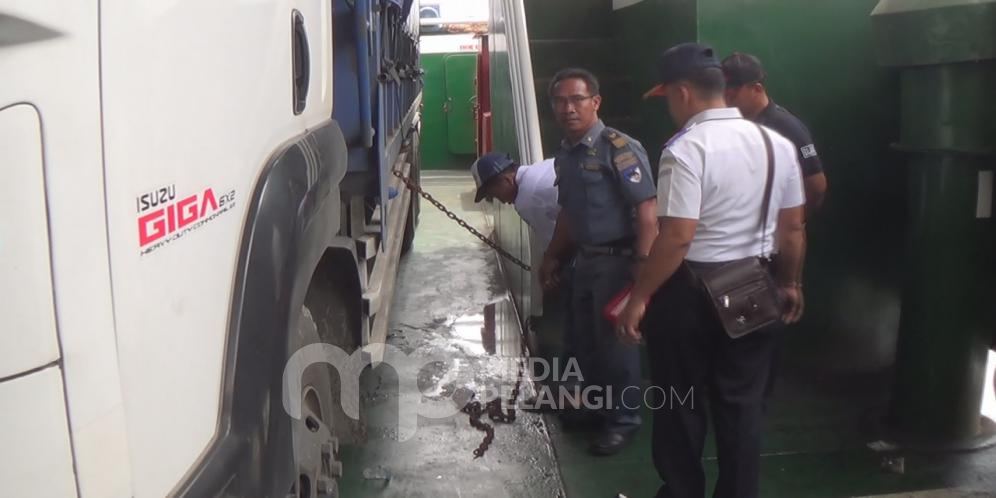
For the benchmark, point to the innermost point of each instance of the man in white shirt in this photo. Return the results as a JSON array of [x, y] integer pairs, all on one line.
[[530, 188], [711, 189]]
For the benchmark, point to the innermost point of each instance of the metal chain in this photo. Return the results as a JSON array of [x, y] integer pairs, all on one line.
[[425, 195], [494, 407], [494, 411]]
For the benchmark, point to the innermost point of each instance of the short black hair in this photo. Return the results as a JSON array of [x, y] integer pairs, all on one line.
[[574, 73], [709, 82], [742, 69]]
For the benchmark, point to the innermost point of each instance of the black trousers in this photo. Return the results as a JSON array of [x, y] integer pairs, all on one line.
[[606, 362], [697, 368]]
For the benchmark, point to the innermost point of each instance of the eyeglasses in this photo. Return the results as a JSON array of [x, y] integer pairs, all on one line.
[[575, 100]]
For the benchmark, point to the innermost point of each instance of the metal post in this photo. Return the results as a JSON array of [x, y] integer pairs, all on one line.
[[947, 58]]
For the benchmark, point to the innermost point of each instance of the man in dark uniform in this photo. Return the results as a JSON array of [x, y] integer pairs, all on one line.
[[608, 216], [745, 90]]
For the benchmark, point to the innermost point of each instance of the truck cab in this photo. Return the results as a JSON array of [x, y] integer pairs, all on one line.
[[187, 201]]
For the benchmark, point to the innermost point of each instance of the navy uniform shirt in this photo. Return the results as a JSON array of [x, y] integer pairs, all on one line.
[[785, 123], [599, 180]]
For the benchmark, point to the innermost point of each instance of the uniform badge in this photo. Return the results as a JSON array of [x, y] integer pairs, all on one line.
[[591, 166], [625, 160], [808, 151], [633, 174], [592, 152]]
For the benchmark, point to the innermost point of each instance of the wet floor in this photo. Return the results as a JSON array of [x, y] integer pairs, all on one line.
[[450, 312], [449, 294]]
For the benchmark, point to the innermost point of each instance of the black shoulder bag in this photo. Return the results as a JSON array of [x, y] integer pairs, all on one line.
[[743, 292]]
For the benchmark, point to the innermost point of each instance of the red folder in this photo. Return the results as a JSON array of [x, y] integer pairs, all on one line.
[[616, 305]]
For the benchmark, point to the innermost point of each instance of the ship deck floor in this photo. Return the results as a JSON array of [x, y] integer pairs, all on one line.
[[818, 428]]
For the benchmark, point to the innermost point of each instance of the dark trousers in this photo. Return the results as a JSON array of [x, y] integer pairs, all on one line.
[[605, 361], [559, 337], [696, 367]]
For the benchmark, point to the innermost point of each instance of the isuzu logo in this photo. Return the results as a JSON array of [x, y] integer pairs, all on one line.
[[163, 219]]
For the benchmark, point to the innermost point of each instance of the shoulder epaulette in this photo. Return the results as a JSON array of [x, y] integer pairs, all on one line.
[[676, 136], [618, 140]]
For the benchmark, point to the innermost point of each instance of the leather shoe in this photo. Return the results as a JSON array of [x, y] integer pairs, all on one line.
[[612, 440]]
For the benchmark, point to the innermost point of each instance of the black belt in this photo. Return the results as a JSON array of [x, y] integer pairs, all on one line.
[[708, 265], [622, 248]]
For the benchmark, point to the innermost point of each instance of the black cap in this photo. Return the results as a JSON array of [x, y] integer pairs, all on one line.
[[742, 69], [679, 61]]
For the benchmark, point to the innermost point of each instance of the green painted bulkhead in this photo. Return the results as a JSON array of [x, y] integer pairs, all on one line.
[[511, 233], [448, 120], [821, 64]]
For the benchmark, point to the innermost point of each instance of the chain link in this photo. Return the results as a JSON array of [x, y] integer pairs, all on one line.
[[473, 409], [449, 214]]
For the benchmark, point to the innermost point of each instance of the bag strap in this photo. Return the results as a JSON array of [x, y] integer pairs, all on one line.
[[769, 180]]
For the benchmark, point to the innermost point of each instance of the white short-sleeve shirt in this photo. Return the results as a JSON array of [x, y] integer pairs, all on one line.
[[536, 201], [714, 171]]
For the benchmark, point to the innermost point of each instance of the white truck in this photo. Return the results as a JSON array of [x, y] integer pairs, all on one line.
[[193, 190]]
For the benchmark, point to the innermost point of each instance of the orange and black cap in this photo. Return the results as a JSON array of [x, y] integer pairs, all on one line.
[[678, 62]]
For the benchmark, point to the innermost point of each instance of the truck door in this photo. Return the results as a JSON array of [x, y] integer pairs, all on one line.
[[34, 433], [62, 432]]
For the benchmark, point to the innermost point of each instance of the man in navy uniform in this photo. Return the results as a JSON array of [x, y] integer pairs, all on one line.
[[608, 216], [745, 90], [710, 196]]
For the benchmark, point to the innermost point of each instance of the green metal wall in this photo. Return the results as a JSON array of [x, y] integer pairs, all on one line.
[[511, 232], [820, 60], [821, 64], [447, 114]]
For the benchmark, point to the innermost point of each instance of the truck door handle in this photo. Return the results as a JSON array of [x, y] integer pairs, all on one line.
[[301, 63]]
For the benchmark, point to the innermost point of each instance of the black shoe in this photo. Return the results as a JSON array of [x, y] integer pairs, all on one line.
[[579, 420], [612, 440]]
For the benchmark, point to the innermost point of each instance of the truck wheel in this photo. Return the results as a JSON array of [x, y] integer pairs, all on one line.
[[335, 308], [409, 237], [316, 449]]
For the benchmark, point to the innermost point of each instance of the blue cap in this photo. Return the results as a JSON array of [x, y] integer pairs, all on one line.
[[679, 61], [487, 167]]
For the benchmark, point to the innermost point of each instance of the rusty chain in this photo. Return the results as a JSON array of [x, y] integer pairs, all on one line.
[[449, 214], [473, 409], [495, 413]]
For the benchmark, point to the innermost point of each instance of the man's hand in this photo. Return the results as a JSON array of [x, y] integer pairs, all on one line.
[[635, 268], [628, 329], [793, 303], [549, 278]]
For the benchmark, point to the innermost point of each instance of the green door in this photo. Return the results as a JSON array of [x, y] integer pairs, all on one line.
[[461, 97]]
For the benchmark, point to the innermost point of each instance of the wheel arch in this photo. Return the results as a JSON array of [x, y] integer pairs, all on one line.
[[293, 218]]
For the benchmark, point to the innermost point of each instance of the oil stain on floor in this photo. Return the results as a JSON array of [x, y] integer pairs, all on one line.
[[448, 290]]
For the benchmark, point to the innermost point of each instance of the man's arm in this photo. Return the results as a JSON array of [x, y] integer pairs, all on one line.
[[816, 191], [668, 251], [790, 236], [559, 247], [646, 226]]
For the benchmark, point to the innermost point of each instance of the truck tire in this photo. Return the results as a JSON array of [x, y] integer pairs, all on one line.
[[413, 208], [316, 449], [335, 307], [409, 237]]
